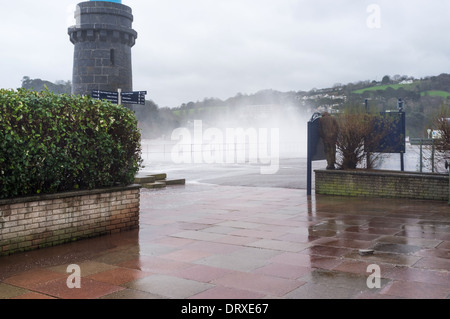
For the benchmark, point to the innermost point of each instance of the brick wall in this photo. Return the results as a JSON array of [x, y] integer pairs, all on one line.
[[48, 220], [390, 184]]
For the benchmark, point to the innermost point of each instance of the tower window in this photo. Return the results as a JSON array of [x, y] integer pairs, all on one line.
[[111, 57]]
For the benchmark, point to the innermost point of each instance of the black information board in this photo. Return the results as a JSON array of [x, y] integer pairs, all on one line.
[[394, 141], [137, 97], [134, 97], [316, 151], [112, 97]]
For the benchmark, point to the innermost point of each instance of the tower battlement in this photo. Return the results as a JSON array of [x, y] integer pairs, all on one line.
[[104, 33]]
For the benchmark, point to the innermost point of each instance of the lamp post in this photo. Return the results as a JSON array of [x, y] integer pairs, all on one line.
[[447, 166], [401, 105]]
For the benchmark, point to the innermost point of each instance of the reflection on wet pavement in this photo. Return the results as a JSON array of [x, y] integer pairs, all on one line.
[[209, 241]]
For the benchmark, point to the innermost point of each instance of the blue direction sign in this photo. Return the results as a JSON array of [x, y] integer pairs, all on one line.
[[134, 97], [112, 97], [126, 97]]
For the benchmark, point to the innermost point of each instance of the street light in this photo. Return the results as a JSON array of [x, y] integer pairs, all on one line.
[[400, 105], [447, 166]]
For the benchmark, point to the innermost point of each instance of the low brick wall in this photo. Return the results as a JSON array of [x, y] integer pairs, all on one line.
[[387, 184], [42, 221]]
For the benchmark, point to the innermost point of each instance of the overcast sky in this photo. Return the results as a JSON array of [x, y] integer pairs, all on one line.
[[191, 49]]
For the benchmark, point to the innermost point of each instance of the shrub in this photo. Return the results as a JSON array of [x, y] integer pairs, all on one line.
[[359, 133], [54, 143], [441, 123]]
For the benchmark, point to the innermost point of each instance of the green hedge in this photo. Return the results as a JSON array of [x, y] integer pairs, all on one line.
[[54, 143]]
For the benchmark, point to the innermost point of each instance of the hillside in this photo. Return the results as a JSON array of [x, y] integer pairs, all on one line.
[[423, 99], [60, 87]]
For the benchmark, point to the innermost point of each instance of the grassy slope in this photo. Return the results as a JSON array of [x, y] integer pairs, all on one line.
[[436, 93], [443, 94], [384, 87]]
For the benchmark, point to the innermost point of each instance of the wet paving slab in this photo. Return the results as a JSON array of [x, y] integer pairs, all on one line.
[[396, 248], [385, 258], [201, 241]]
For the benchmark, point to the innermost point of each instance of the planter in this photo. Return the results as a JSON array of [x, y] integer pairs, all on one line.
[[41, 221], [387, 184]]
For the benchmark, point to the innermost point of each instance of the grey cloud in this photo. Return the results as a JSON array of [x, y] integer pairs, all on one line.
[[191, 49]]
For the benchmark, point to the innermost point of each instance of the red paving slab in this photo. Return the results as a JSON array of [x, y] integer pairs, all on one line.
[[230, 242], [417, 290], [221, 292], [360, 267], [34, 296], [268, 285], [186, 255], [438, 277], [90, 289], [201, 273], [119, 276], [155, 265], [31, 278], [304, 260], [283, 270]]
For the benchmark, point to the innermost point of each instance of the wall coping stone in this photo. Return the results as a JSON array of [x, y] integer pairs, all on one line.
[[384, 173], [69, 194], [382, 184]]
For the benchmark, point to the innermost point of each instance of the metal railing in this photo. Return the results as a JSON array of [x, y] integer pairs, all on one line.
[[165, 150], [427, 142]]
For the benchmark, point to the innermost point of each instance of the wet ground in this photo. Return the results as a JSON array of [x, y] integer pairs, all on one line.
[[225, 241], [291, 173]]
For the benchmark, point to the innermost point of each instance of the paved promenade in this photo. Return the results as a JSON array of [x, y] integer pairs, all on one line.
[[231, 242]]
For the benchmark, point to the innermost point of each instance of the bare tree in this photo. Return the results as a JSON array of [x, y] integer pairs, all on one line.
[[442, 144], [359, 133]]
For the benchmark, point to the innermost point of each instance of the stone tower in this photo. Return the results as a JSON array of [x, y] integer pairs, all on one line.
[[103, 38]]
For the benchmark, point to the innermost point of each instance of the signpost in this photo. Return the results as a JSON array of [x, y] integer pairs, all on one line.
[[134, 97], [120, 97], [316, 150], [112, 97]]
